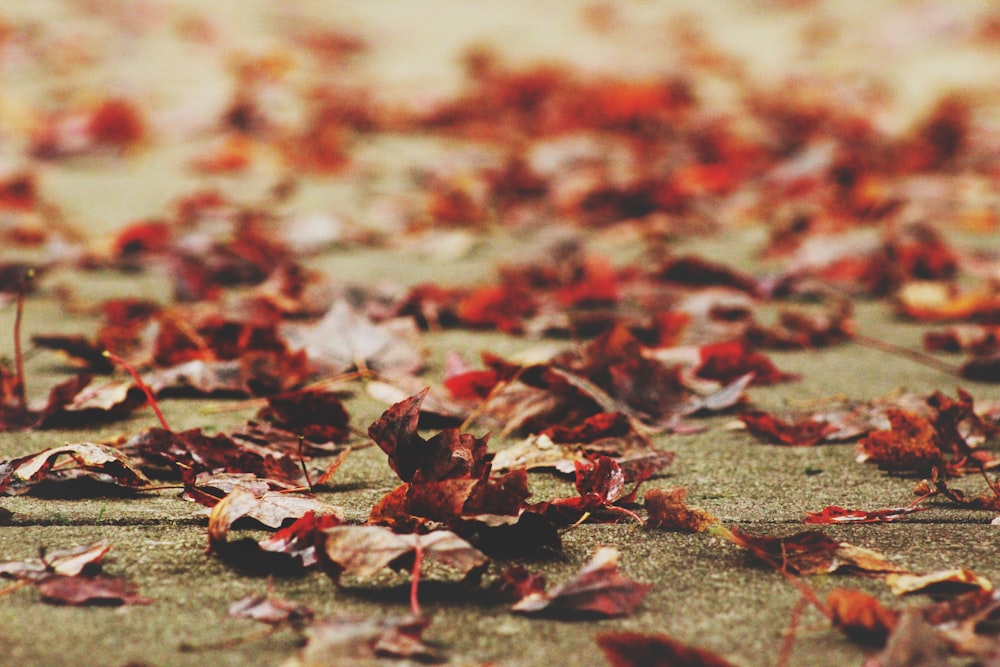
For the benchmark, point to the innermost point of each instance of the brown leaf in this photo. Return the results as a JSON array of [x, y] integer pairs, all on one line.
[[836, 514], [951, 579], [633, 649], [84, 459], [351, 641], [860, 616], [448, 455], [913, 643], [302, 539], [270, 610], [364, 551], [269, 508], [812, 552], [100, 589], [598, 590], [667, 510], [65, 562]]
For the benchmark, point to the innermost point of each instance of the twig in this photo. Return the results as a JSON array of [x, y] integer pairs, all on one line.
[[906, 353], [418, 559], [22, 397], [231, 642], [302, 462], [788, 643], [142, 385]]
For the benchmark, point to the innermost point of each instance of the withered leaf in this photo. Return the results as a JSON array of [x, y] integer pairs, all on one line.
[[59, 464], [343, 339], [303, 538], [366, 550], [835, 514], [598, 590], [65, 562], [910, 445], [668, 510], [357, 641], [100, 589], [269, 508], [315, 414], [799, 434], [860, 616], [270, 610], [600, 484], [811, 552], [447, 455], [633, 649], [516, 583], [953, 579], [79, 401], [913, 643]]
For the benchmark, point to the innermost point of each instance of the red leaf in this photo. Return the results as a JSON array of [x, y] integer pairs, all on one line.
[[860, 616], [448, 455], [597, 590], [835, 514], [100, 589]]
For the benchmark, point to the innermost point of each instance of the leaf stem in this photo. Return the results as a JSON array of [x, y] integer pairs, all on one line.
[[142, 385], [906, 353], [418, 559], [22, 398]]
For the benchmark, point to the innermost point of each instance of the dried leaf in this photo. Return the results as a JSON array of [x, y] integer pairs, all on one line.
[[269, 508], [355, 641], [950, 579], [364, 551], [448, 455], [270, 610], [812, 552], [836, 514], [598, 590], [913, 643], [667, 510], [64, 562], [860, 616], [100, 589], [59, 464]]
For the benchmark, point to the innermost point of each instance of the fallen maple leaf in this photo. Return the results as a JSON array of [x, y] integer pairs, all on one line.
[[802, 433], [345, 640], [811, 552], [59, 464], [270, 610], [903, 583], [667, 510], [303, 539], [449, 454], [633, 649], [99, 589], [860, 616], [366, 550], [269, 508], [836, 514], [912, 643], [598, 590], [64, 562], [910, 445]]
